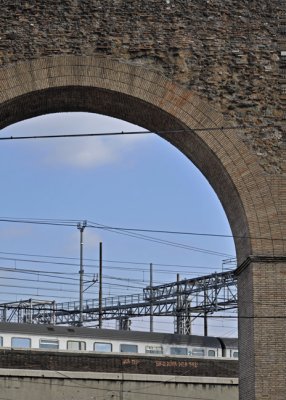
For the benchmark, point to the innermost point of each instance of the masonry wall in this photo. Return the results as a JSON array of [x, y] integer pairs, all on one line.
[[227, 51], [262, 326], [134, 364]]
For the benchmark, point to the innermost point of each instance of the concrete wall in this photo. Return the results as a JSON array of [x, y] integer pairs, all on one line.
[[63, 385]]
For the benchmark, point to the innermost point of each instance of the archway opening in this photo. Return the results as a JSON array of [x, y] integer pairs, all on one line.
[[136, 181]]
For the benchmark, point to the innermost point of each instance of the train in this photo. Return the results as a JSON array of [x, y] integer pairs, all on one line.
[[88, 339]]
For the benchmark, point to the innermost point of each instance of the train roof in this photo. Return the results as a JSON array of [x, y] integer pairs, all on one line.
[[108, 334], [229, 343]]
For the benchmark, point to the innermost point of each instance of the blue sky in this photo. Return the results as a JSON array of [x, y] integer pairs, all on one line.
[[127, 181]]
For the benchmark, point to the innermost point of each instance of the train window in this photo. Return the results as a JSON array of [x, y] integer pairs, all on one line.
[[154, 349], [128, 348], [198, 352], [1, 341], [211, 353], [76, 345], [49, 344], [21, 342], [235, 354], [102, 347], [179, 351]]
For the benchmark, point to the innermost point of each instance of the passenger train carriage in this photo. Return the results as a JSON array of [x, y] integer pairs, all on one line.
[[83, 339]]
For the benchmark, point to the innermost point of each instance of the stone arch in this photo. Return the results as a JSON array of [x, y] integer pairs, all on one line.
[[142, 96]]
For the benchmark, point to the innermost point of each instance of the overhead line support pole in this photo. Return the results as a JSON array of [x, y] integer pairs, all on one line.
[[178, 307], [81, 227], [100, 288], [205, 313], [151, 298]]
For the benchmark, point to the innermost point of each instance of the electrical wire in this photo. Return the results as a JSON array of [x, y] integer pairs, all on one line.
[[91, 224], [115, 261], [38, 281], [143, 132], [38, 295], [117, 285], [88, 266], [37, 221], [185, 233], [122, 232], [66, 276], [53, 274], [161, 241], [37, 288]]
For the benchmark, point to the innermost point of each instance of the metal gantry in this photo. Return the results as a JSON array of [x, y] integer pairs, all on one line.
[[198, 296], [184, 299], [28, 311]]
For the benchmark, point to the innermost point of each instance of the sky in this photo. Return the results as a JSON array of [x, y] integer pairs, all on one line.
[[138, 181]]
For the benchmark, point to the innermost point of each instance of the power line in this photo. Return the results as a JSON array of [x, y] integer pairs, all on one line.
[[160, 241], [91, 224], [61, 275], [107, 278], [37, 288], [105, 260], [121, 232], [116, 285], [38, 281], [189, 233], [34, 221], [144, 132], [37, 261], [70, 298], [54, 274]]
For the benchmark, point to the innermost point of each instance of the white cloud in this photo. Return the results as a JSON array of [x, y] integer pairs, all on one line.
[[85, 152], [90, 152], [91, 239], [14, 232]]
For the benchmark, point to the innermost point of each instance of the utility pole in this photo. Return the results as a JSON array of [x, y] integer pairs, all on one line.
[[205, 313], [178, 307], [151, 298], [81, 227], [100, 288]]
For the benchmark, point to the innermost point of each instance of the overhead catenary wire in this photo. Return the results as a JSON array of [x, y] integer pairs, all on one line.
[[58, 275], [63, 275], [68, 283], [88, 276], [89, 266], [126, 286], [70, 298], [107, 261], [37, 288], [66, 275], [37, 280]]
